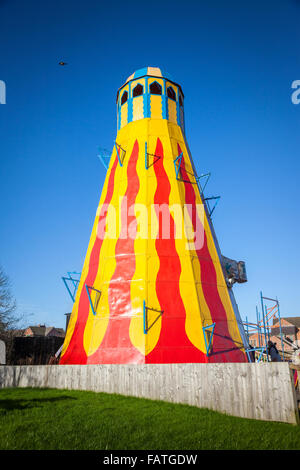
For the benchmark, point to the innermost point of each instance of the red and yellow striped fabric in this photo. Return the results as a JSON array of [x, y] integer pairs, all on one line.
[[134, 263]]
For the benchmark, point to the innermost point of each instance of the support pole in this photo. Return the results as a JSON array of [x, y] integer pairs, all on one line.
[[119, 158], [65, 283], [146, 157], [267, 323], [282, 344], [145, 318], [264, 322], [258, 326], [177, 168]]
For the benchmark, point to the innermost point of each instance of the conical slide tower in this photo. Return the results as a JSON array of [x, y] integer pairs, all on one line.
[[152, 288]]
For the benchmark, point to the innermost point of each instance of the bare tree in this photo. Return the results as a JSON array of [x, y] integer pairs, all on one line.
[[10, 319]]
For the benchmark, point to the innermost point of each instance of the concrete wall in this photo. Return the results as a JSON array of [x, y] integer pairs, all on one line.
[[260, 391]]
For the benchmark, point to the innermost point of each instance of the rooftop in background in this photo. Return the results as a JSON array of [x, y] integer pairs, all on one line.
[[43, 330], [293, 320], [290, 331]]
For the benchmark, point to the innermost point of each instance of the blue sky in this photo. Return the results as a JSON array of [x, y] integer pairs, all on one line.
[[235, 61]]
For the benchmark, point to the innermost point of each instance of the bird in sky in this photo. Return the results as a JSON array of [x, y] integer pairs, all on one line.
[[62, 63]]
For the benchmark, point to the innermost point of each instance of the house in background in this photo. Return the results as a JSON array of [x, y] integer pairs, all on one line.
[[36, 345], [290, 331], [290, 328], [43, 330]]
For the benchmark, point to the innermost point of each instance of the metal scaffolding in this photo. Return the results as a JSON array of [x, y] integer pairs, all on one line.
[[265, 317]]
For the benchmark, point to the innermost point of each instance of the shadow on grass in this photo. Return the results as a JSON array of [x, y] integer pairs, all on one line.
[[10, 405]]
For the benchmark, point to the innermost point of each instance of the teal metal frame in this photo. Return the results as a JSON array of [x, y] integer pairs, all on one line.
[[90, 300], [217, 198], [147, 166], [207, 176], [104, 157], [267, 328], [262, 349], [262, 328], [208, 346], [74, 281], [177, 169], [264, 322], [145, 318], [117, 147]]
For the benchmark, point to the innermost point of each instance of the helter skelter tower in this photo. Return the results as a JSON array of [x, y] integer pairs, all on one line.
[[152, 293]]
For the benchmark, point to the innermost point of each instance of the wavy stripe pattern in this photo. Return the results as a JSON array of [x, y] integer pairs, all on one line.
[[116, 346], [224, 348], [173, 344]]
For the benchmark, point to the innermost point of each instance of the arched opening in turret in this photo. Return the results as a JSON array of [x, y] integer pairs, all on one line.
[[138, 90], [180, 100], [171, 93], [124, 97], [155, 88]]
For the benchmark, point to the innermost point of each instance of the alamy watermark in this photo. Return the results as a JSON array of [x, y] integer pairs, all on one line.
[[296, 94], [2, 92], [156, 221]]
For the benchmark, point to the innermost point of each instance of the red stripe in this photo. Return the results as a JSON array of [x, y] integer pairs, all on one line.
[[75, 353], [224, 348], [173, 344], [116, 347]]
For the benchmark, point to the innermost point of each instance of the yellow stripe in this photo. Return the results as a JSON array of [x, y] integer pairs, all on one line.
[[138, 108], [124, 114], [156, 106], [172, 110], [153, 262], [138, 283]]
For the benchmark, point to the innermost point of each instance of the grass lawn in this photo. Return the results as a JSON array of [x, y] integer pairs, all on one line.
[[45, 419]]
